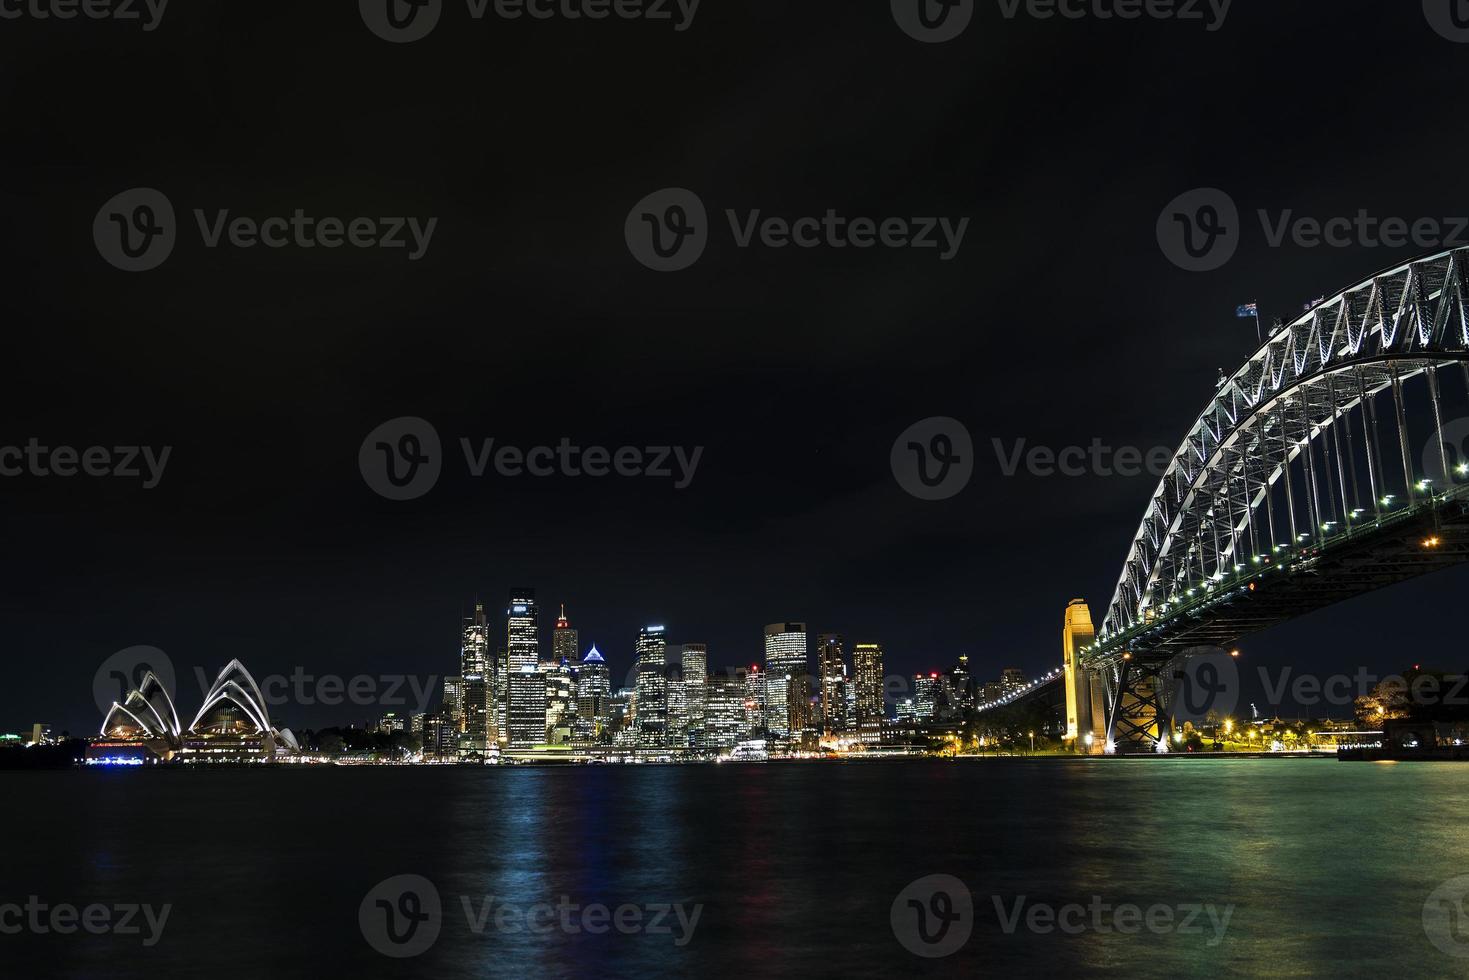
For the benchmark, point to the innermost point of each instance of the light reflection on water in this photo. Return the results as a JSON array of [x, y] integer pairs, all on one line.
[[1327, 865]]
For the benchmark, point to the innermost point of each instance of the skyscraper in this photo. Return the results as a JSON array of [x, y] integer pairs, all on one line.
[[474, 661], [527, 717], [867, 676], [564, 640], [652, 687], [522, 630], [560, 703], [593, 696], [694, 682], [474, 743], [454, 702], [832, 669], [523, 654], [785, 659], [725, 723], [755, 715]]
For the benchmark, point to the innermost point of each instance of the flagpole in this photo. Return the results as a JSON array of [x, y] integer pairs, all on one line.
[[1258, 335]]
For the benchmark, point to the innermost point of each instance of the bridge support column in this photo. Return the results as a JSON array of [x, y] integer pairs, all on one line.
[[1086, 716], [1137, 721]]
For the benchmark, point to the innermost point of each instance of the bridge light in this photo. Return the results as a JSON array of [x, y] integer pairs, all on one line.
[[1387, 500], [1423, 484], [1432, 542], [1234, 653], [1462, 469]]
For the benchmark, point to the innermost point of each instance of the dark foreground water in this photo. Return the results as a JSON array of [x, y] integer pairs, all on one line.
[[1289, 868]]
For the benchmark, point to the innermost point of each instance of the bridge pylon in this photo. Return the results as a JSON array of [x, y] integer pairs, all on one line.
[[1086, 716]]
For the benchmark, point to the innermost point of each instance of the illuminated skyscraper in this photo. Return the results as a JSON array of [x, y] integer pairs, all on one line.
[[755, 714], [785, 659], [593, 696], [560, 703], [523, 654], [474, 661], [527, 717], [651, 710], [695, 689], [1012, 679], [925, 696], [474, 743], [454, 701], [832, 669], [522, 626], [725, 724], [867, 677], [564, 639]]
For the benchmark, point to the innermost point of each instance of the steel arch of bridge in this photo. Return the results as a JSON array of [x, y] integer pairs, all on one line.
[[1295, 453]]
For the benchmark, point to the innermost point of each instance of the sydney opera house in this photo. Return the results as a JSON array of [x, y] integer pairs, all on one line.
[[232, 725]]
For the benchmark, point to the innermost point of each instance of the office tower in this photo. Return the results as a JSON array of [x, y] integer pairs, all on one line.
[[523, 653], [799, 706], [755, 714], [454, 701], [832, 670], [474, 651], [593, 695], [694, 662], [415, 722], [390, 723], [725, 724], [438, 737], [867, 678], [502, 693], [622, 716], [678, 707], [925, 696], [474, 743], [527, 718], [522, 631], [651, 712], [1012, 679], [560, 703], [785, 658], [564, 640], [961, 684]]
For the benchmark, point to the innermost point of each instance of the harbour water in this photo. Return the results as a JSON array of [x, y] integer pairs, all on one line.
[[1292, 867]]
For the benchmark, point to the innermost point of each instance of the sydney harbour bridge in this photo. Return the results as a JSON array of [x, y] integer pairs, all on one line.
[[1328, 465]]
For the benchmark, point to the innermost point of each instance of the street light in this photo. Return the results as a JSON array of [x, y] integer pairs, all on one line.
[[1032, 743]]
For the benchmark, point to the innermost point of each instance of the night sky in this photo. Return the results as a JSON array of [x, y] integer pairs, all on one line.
[[1060, 321]]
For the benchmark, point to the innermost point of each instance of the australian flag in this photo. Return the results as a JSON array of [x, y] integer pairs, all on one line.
[[1247, 310]]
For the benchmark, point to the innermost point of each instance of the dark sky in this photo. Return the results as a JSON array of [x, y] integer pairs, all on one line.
[[528, 320]]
